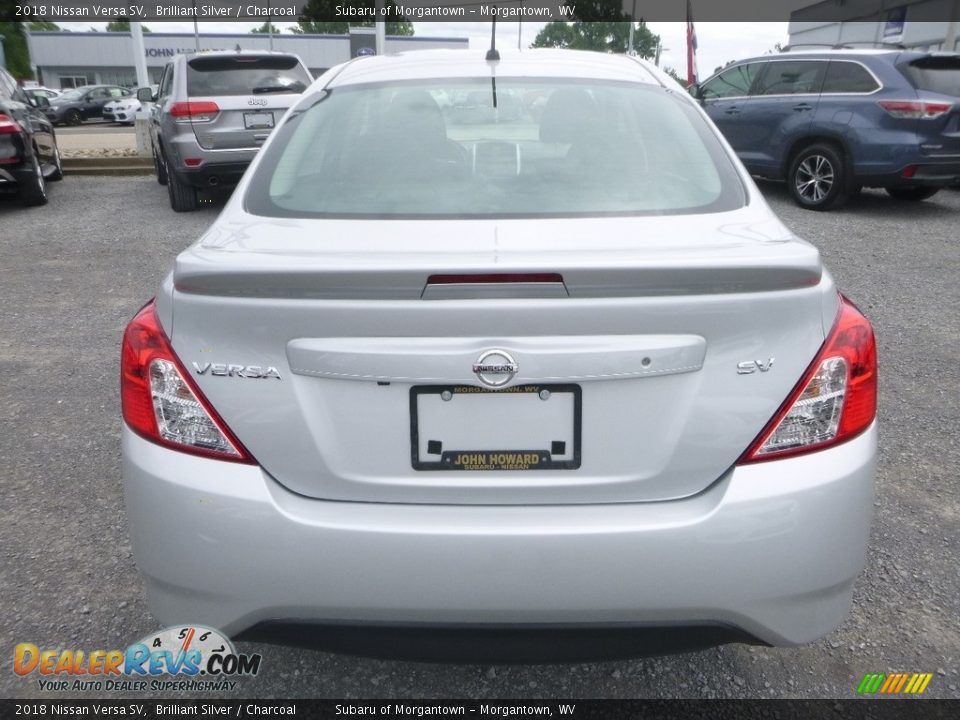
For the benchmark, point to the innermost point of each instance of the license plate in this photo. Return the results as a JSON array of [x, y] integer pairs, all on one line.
[[258, 120], [527, 427]]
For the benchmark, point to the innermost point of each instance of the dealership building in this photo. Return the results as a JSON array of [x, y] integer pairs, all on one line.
[[915, 24], [72, 59]]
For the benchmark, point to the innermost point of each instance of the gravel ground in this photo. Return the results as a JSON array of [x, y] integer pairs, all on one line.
[[74, 272]]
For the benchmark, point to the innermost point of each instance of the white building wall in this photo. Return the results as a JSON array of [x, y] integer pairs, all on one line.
[[103, 57]]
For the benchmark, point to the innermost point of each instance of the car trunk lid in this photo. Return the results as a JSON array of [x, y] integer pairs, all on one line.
[[622, 388], [252, 92], [937, 80]]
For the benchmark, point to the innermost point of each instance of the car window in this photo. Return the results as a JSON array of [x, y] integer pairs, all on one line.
[[734, 82], [791, 77], [848, 77], [118, 92], [99, 94], [245, 75], [939, 74], [444, 148], [166, 81]]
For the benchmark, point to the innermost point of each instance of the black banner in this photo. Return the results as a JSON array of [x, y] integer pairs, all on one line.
[[362, 11], [488, 709]]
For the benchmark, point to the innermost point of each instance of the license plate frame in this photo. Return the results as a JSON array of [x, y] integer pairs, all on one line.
[[517, 459], [250, 120]]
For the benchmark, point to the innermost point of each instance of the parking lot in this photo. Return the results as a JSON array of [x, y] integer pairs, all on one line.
[[73, 273]]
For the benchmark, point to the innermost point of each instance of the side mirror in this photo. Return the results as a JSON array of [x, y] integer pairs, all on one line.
[[695, 90], [145, 95]]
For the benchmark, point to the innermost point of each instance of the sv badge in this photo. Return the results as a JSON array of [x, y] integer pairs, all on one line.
[[751, 366]]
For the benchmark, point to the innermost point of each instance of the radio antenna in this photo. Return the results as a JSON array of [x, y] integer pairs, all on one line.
[[493, 53]]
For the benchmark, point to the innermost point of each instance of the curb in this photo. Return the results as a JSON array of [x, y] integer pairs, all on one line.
[[108, 166]]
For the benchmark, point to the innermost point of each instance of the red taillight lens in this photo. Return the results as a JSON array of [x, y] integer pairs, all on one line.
[[202, 111], [161, 403], [9, 126], [915, 109], [836, 399]]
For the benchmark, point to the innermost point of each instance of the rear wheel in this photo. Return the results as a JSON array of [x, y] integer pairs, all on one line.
[[183, 197], [73, 117], [818, 178], [161, 166], [33, 191], [912, 194]]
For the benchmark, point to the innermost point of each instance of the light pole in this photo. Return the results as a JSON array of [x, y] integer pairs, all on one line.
[[380, 38]]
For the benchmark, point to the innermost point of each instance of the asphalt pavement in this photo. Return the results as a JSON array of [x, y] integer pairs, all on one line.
[[74, 272]]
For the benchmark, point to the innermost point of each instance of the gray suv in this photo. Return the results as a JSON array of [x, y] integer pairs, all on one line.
[[213, 111]]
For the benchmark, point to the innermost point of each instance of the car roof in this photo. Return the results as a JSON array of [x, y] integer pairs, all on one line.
[[546, 63]]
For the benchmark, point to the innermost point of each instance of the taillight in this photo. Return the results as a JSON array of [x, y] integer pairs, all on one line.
[[9, 126], [836, 399], [160, 401], [203, 111], [915, 109]]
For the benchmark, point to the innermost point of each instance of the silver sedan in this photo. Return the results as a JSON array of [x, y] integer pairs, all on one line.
[[495, 345]]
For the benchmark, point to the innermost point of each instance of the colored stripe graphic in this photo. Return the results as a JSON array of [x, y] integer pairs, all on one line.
[[894, 683], [870, 683]]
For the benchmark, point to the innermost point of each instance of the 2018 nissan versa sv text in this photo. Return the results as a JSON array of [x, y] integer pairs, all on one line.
[[437, 367]]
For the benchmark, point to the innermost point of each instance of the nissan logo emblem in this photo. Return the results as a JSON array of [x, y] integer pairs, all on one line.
[[495, 368]]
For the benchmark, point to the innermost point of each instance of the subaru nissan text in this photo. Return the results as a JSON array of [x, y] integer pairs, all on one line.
[[561, 369]]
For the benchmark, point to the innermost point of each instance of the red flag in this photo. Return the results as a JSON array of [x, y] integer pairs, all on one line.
[[691, 47]]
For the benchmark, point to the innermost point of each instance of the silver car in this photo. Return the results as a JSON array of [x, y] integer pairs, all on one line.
[[211, 114], [558, 369]]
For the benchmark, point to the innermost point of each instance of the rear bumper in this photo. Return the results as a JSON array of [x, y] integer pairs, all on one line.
[[771, 549], [217, 167], [925, 174]]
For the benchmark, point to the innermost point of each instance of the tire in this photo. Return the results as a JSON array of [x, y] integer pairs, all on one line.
[[817, 179], [183, 197], [57, 173], [161, 166], [34, 191], [912, 194], [73, 117]]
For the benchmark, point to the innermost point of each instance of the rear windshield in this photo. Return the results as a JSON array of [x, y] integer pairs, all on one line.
[[524, 148], [240, 75], [935, 74]]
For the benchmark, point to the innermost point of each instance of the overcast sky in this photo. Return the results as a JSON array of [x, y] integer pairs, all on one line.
[[718, 42]]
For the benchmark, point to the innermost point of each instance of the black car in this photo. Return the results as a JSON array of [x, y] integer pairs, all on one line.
[[29, 156], [83, 103]]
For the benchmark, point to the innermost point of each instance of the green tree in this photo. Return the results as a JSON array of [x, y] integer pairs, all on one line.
[[316, 14], [121, 25], [603, 36], [266, 29], [15, 50], [675, 75], [43, 26]]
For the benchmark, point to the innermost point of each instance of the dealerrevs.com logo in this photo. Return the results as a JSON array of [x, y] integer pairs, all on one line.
[[182, 658]]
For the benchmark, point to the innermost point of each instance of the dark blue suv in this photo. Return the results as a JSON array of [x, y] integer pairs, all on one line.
[[829, 122]]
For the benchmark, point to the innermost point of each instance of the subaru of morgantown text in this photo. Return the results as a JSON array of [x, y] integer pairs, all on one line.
[[500, 346]]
